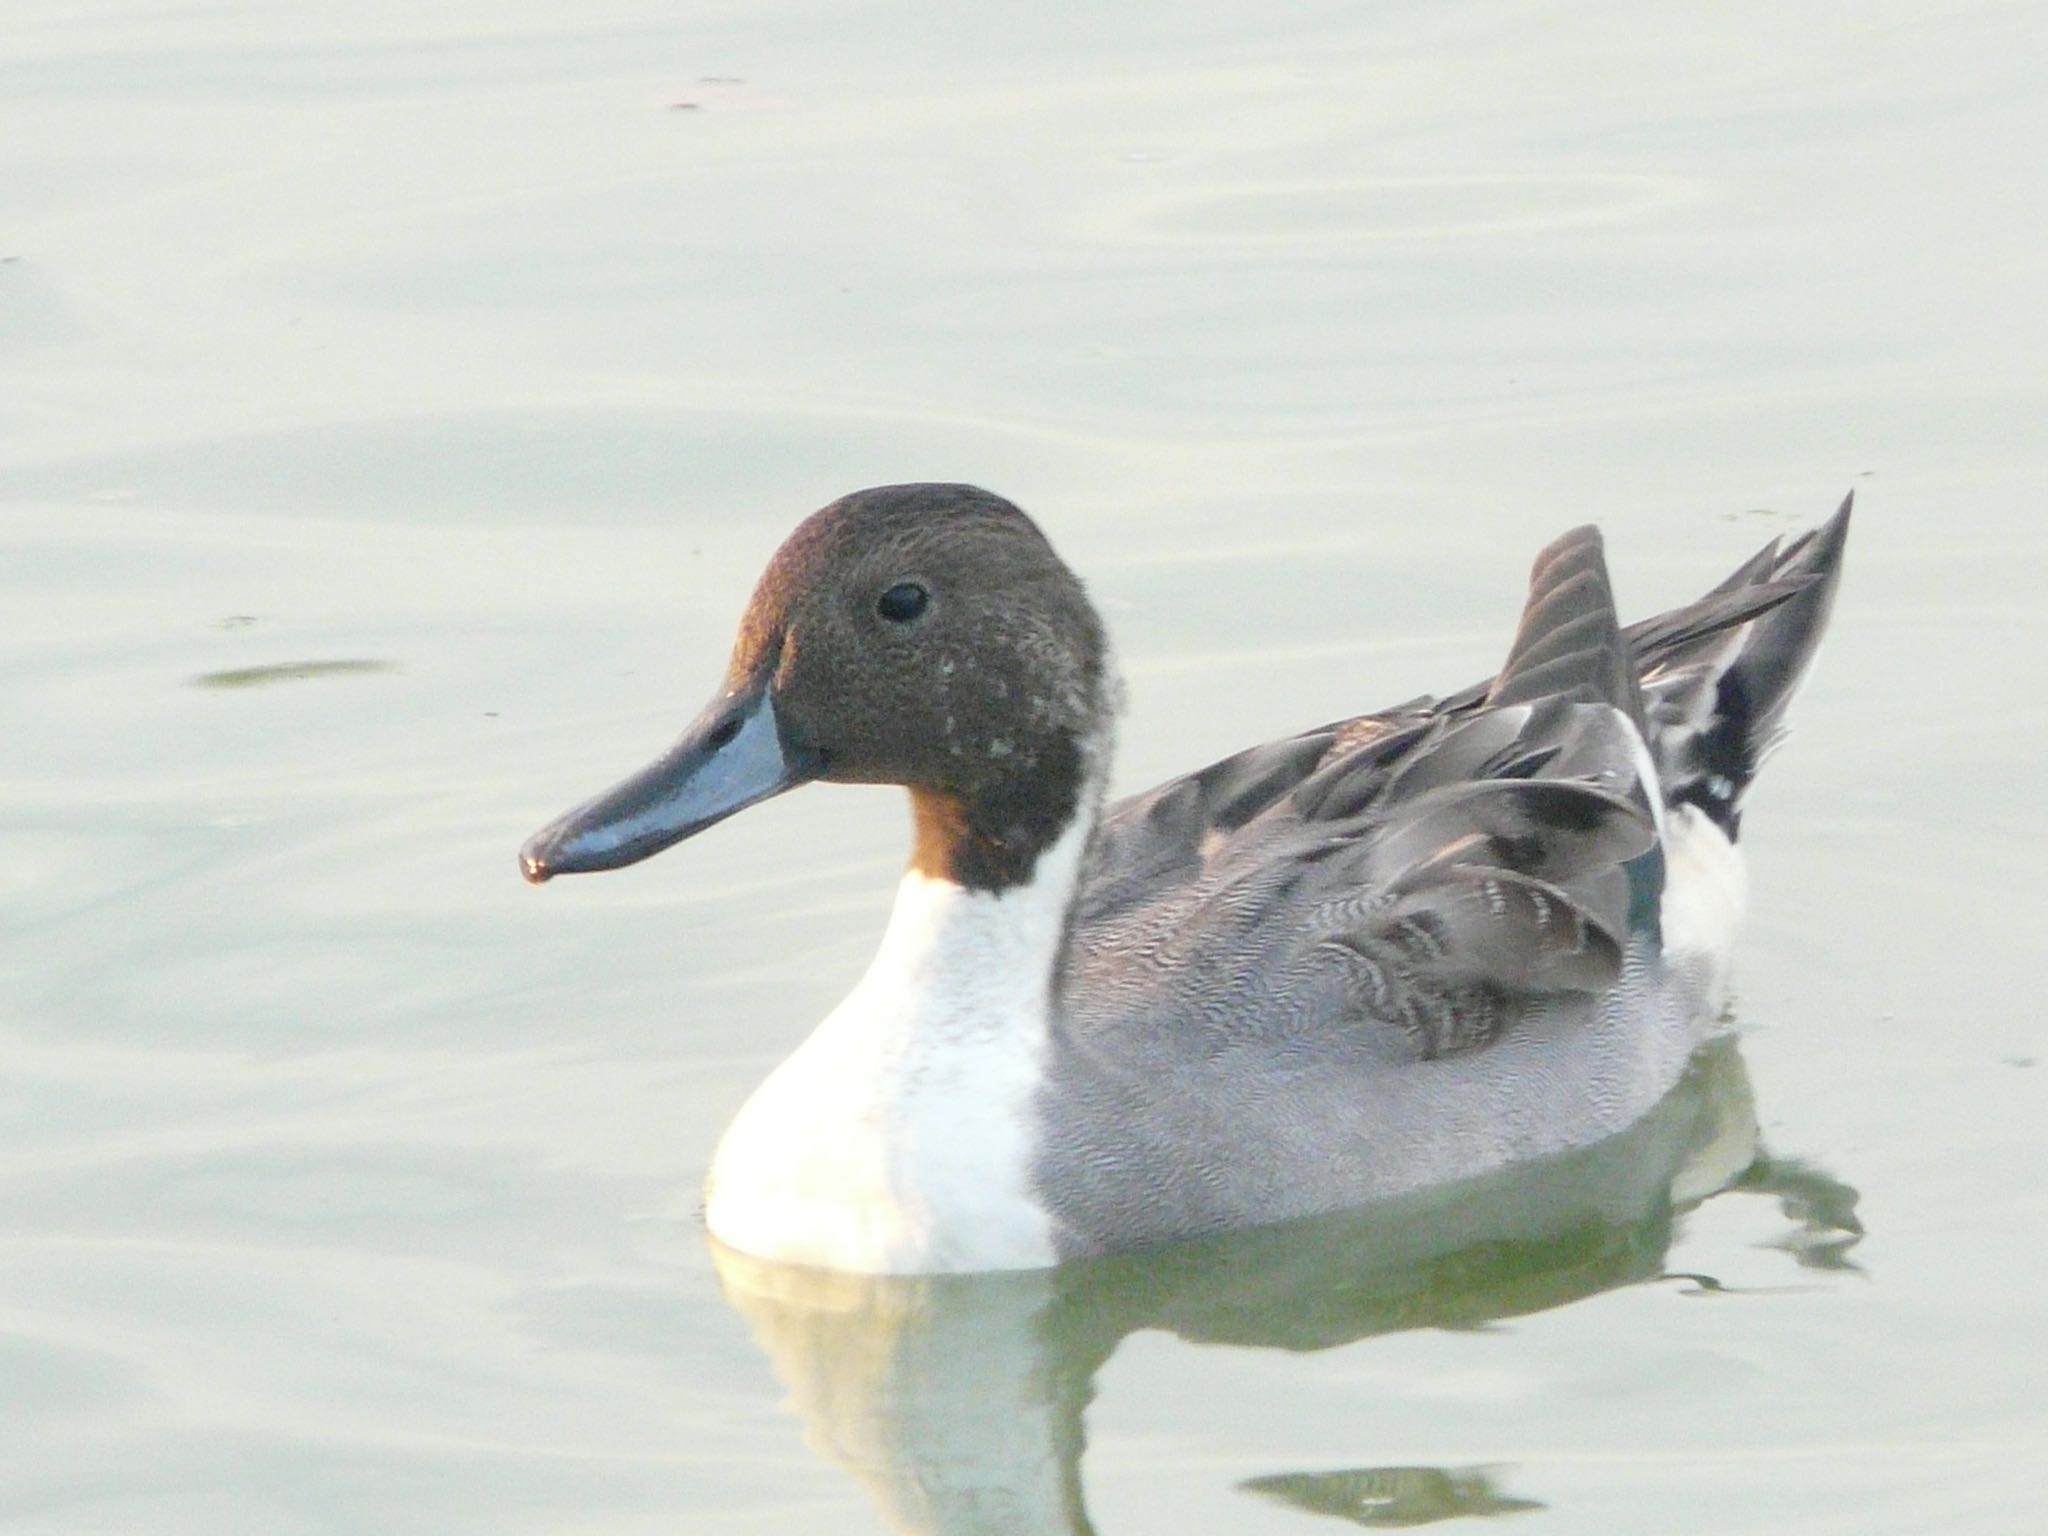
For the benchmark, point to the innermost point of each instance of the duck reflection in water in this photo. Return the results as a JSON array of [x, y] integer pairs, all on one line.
[[957, 1401]]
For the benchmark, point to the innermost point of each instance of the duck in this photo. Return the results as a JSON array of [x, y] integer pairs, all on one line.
[[1386, 955]]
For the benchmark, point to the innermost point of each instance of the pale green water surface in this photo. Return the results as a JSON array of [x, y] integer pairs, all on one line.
[[396, 402]]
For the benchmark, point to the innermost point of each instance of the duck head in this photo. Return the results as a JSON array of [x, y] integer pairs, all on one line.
[[921, 635]]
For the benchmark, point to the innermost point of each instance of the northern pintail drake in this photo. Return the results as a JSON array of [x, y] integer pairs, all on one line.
[[1391, 953]]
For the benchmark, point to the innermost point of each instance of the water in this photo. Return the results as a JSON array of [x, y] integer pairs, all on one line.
[[397, 405]]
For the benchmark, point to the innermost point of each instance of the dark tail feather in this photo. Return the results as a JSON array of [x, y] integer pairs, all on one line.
[[1779, 646], [1569, 644], [1717, 696]]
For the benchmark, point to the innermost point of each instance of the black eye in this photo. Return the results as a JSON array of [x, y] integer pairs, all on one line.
[[902, 602]]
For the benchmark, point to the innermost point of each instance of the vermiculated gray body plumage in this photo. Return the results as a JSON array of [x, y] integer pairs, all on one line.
[[1422, 944]]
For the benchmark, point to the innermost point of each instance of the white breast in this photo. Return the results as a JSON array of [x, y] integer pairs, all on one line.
[[899, 1138]]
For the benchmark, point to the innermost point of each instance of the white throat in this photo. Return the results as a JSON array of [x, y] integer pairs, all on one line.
[[900, 1136]]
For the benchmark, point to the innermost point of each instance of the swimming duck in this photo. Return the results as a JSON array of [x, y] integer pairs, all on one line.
[[1387, 954]]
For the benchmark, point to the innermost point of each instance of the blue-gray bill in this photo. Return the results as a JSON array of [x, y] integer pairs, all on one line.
[[732, 756]]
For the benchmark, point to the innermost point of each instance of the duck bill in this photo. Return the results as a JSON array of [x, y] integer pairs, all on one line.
[[732, 756]]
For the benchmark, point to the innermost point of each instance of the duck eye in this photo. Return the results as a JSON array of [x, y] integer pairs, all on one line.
[[902, 602]]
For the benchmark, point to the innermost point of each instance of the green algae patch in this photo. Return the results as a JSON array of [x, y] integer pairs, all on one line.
[[291, 672]]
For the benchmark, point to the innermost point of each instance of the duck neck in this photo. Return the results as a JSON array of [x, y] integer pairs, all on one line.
[[901, 1136], [993, 839], [981, 911]]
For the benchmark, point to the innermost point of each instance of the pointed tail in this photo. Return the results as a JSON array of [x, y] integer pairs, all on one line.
[[1716, 687]]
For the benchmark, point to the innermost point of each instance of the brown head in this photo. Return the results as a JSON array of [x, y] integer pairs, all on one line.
[[922, 635]]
